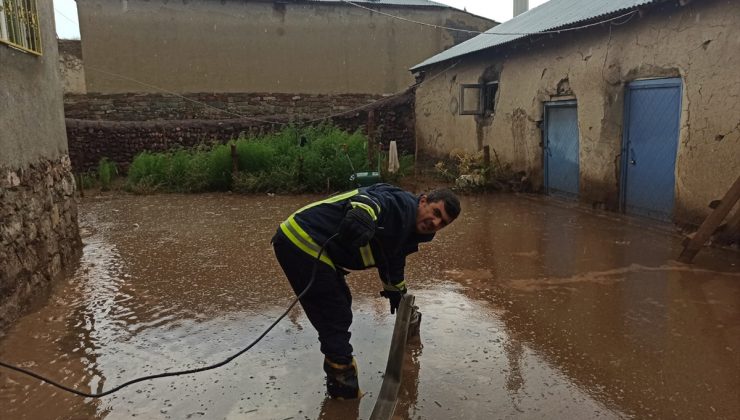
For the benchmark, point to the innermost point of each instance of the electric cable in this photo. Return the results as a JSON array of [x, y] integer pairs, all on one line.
[[181, 372], [470, 31], [612, 21]]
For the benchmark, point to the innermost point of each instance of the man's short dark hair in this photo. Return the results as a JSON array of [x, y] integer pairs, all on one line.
[[452, 203]]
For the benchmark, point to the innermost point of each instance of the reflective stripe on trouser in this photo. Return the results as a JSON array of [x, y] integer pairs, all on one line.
[[341, 379], [328, 303]]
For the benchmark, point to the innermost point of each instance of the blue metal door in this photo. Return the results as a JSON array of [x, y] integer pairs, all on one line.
[[561, 149], [652, 111]]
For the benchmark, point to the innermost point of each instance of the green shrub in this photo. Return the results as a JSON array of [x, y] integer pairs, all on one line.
[[87, 180], [148, 172], [219, 167], [106, 172], [254, 156], [308, 159]]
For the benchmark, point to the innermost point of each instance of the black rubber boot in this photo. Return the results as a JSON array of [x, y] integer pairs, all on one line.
[[341, 379]]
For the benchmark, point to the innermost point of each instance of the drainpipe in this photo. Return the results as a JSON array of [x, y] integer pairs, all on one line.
[[520, 6]]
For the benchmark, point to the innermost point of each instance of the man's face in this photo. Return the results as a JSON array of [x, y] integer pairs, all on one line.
[[431, 217]]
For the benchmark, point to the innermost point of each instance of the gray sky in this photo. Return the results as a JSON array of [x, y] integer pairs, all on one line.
[[498, 10]]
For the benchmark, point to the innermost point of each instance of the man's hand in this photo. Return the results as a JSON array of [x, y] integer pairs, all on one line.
[[394, 297], [356, 228]]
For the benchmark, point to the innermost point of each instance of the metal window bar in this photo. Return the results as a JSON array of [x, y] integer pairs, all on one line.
[[19, 25]]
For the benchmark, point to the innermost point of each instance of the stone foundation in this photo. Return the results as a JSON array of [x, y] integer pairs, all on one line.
[[39, 237]]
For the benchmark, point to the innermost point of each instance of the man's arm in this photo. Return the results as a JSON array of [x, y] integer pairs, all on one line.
[[394, 284], [358, 225]]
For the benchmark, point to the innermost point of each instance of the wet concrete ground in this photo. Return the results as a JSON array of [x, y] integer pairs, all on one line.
[[532, 308]]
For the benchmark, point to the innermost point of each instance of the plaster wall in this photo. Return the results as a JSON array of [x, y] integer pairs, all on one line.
[[31, 107], [696, 42], [259, 46], [39, 236]]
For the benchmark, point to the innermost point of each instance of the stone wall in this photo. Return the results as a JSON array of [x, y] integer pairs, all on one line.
[[121, 126], [207, 106], [38, 231]]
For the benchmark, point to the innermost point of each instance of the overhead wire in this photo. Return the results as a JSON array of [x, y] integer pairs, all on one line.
[[471, 31], [66, 17], [629, 16], [298, 123], [225, 111]]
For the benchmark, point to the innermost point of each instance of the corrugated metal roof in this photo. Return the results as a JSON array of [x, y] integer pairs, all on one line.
[[549, 16], [367, 3]]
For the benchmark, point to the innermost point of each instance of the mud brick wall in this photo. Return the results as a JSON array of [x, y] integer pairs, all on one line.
[[38, 231], [121, 126]]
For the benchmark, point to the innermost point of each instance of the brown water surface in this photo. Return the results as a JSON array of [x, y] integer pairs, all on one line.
[[531, 309]]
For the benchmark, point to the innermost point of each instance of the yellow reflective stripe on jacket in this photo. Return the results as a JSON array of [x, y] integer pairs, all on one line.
[[367, 256], [333, 199], [365, 207], [300, 238], [370, 200]]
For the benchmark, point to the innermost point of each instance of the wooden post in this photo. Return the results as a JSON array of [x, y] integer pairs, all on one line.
[[80, 187], [710, 223], [234, 160], [416, 164], [371, 140]]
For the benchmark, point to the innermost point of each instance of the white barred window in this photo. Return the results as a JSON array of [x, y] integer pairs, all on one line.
[[19, 25]]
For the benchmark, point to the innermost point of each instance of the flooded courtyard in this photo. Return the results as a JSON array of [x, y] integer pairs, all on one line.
[[532, 308]]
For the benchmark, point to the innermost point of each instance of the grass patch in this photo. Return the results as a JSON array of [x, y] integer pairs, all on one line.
[[306, 159], [107, 171]]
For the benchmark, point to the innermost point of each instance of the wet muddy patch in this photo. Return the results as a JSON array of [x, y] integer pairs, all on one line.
[[531, 309]]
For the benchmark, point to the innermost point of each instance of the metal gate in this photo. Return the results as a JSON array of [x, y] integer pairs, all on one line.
[[652, 112], [561, 149]]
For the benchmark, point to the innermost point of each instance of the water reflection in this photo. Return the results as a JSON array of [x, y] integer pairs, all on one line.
[[532, 309]]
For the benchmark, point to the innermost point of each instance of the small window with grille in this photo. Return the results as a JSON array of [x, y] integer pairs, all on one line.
[[19, 25], [478, 99]]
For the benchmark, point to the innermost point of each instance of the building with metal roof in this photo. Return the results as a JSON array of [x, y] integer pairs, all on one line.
[[628, 105], [553, 15]]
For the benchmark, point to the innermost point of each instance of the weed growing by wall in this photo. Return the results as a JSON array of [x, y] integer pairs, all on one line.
[[106, 172], [307, 159]]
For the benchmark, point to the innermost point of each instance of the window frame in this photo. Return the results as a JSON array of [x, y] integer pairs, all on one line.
[[20, 26], [486, 98], [489, 97], [472, 86]]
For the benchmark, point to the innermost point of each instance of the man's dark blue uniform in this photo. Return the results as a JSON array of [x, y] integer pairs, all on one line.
[[378, 226]]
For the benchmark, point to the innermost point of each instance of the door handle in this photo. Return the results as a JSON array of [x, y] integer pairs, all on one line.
[[632, 157]]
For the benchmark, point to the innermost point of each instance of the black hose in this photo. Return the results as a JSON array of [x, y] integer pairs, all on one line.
[[181, 372]]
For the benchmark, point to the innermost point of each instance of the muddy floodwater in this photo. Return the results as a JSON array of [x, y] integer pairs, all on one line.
[[532, 309]]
